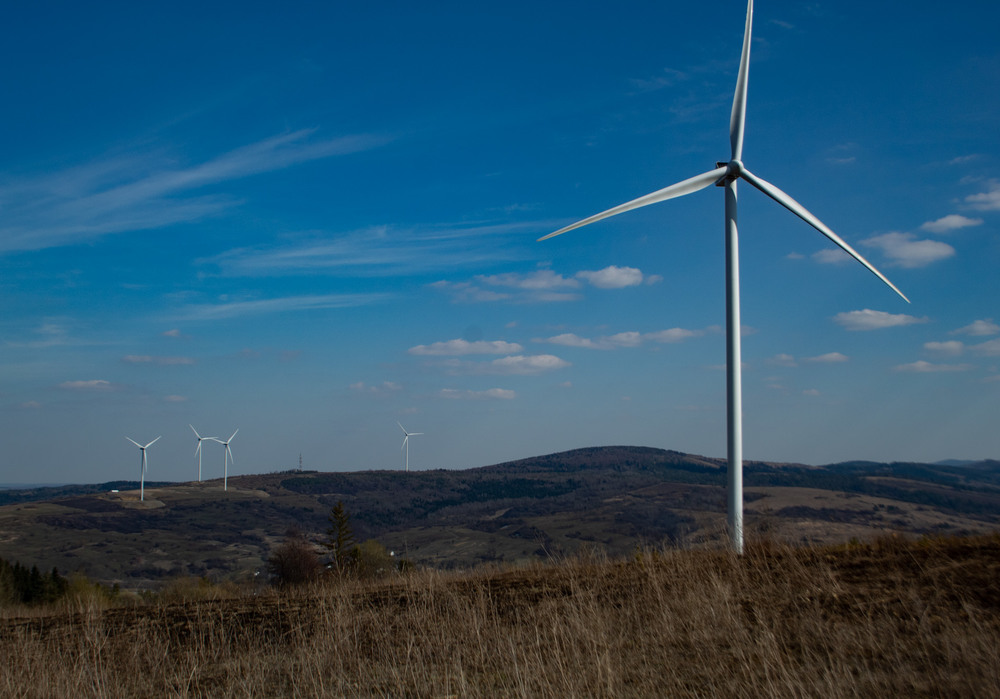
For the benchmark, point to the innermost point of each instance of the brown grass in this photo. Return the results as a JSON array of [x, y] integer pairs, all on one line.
[[891, 618]]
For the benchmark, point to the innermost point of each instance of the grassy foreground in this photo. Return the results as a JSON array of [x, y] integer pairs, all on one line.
[[890, 618]]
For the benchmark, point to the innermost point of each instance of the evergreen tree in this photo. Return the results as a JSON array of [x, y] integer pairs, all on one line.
[[340, 541]]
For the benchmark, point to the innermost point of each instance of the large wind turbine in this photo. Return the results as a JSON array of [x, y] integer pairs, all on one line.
[[726, 175], [406, 443], [142, 469], [197, 450], [227, 457]]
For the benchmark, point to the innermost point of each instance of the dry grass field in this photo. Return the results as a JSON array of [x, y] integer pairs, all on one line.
[[887, 618]]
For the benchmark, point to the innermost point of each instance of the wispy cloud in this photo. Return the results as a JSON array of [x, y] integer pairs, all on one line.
[[991, 348], [384, 387], [463, 347], [868, 319], [986, 201], [159, 361], [905, 250], [379, 250], [142, 192], [979, 328], [923, 367], [951, 348], [97, 385], [952, 222], [543, 285], [829, 358], [488, 394], [521, 365], [625, 339], [238, 309]]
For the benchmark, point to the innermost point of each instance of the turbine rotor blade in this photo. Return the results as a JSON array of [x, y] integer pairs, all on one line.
[[737, 119], [401, 427], [796, 208], [232, 435], [195, 432], [152, 443], [692, 184], [135, 442]]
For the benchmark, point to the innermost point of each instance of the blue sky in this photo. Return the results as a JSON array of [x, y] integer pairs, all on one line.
[[311, 222]]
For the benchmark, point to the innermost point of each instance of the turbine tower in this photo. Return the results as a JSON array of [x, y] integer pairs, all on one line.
[[197, 450], [142, 468], [406, 443], [227, 457], [726, 175]]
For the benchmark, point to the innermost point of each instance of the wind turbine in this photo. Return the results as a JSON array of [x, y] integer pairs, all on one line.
[[142, 470], [726, 175], [198, 448], [406, 443], [228, 456]]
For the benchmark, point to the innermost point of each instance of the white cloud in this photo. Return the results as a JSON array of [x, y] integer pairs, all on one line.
[[384, 387], [979, 328], [462, 347], [159, 361], [904, 250], [810, 392], [868, 319], [489, 394], [612, 277], [89, 385], [831, 256], [952, 348], [175, 399], [673, 335], [171, 333], [542, 280], [31, 405], [783, 360], [988, 200], [624, 339], [949, 223], [990, 348], [520, 365], [829, 358], [923, 367]]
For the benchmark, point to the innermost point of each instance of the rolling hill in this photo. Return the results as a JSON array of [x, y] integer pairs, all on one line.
[[609, 498]]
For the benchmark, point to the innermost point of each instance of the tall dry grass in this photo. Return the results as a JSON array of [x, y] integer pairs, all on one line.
[[886, 619]]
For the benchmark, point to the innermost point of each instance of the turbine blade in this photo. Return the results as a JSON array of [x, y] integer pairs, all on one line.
[[153, 442], [796, 208], [413, 434], [195, 431], [737, 120], [687, 186], [404, 442], [197, 449], [135, 442], [232, 435], [401, 427]]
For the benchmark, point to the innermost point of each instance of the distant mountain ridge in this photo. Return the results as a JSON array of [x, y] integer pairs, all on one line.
[[609, 498]]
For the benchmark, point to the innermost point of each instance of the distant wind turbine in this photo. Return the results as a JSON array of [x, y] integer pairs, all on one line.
[[197, 450], [142, 468], [406, 443], [227, 457], [726, 175]]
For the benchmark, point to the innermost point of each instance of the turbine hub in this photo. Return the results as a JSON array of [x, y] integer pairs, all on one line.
[[735, 169]]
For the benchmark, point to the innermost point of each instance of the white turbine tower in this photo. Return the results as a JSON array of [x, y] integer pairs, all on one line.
[[406, 443], [227, 457], [726, 175], [197, 450], [142, 468]]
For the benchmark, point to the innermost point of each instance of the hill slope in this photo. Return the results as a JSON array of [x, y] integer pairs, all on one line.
[[611, 498]]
